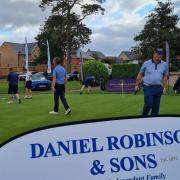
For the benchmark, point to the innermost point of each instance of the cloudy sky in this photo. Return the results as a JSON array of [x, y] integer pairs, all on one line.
[[112, 32]]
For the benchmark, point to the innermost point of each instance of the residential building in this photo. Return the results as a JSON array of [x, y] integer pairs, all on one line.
[[96, 54], [128, 56], [111, 59], [13, 54], [76, 57]]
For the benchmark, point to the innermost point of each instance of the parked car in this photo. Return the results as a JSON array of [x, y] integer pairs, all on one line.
[[39, 82], [34, 72], [48, 76], [74, 76]]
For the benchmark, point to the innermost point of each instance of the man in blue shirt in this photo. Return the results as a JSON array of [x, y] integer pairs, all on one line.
[[58, 86], [154, 74], [13, 85], [87, 83]]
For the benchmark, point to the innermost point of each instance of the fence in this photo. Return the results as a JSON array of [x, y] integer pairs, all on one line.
[[39, 68]]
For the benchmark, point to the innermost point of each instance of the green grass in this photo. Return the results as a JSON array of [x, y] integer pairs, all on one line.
[[31, 114], [72, 85]]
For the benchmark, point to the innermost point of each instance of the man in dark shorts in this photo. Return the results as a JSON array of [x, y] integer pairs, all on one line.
[[13, 85], [28, 84], [87, 83]]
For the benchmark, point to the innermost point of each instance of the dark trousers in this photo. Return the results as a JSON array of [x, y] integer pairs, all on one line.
[[152, 97], [60, 93]]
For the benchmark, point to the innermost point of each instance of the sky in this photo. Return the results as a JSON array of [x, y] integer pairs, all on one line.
[[112, 32]]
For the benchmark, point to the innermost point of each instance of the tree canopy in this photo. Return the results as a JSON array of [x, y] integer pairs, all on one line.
[[161, 26], [64, 28]]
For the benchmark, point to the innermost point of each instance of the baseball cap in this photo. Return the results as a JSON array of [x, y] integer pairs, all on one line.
[[158, 51]]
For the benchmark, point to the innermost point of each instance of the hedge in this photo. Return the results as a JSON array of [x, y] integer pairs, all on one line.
[[125, 70]]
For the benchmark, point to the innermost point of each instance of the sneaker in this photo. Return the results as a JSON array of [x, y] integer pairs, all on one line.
[[53, 112], [68, 111], [26, 97], [10, 102]]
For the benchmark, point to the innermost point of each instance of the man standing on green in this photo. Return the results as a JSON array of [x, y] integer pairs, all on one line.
[[154, 74], [58, 86]]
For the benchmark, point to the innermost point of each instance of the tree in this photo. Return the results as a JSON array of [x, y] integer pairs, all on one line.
[[161, 26], [54, 30], [64, 28]]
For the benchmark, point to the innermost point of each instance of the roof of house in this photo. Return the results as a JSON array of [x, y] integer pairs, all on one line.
[[80, 54], [20, 48], [130, 55], [99, 54]]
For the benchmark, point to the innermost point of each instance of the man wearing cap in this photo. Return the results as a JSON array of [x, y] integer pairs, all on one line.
[[153, 73]]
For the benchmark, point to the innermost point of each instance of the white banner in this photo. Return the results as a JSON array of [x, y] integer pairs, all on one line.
[[133, 149], [26, 55]]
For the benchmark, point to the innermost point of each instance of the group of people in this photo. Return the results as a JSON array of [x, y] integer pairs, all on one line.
[[12, 79], [153, 73], [58, 85]]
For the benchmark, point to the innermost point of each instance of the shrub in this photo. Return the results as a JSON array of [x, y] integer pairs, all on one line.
[[174, 69], [96, 69], [125, 70]]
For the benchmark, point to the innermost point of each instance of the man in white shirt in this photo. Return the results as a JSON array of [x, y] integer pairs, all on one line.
[[28, 84]]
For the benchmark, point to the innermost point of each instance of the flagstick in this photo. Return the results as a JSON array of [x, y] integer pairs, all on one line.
[[122, 88]]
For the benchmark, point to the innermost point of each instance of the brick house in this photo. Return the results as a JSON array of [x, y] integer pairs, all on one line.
[[76, 57], [13, 54], [111, 59], [96, 54], [128, 56]]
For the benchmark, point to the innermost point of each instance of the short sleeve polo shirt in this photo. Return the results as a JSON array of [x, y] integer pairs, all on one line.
[[60, 74], [154, 73]]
